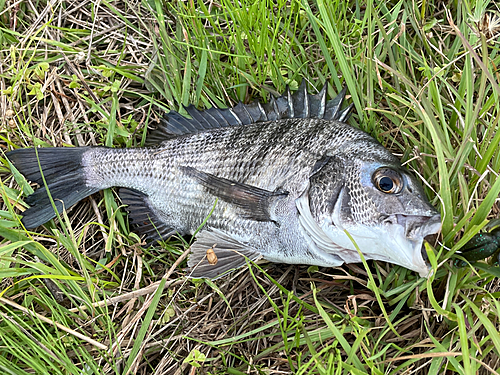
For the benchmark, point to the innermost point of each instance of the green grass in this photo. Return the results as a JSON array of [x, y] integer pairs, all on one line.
[[424, 80]]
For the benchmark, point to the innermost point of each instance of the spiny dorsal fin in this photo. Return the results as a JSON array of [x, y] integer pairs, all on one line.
[[297, 105], [333, 109]]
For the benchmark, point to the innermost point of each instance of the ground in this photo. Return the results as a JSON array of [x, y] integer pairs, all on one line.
[[84, 295]]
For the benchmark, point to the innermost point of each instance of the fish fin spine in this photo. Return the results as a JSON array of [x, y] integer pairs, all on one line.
[[297, 105]]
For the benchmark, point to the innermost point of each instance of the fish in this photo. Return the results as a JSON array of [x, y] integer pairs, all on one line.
[[288, 181]]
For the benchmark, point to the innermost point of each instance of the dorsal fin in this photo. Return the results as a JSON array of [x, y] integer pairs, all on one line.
[[297, 105]]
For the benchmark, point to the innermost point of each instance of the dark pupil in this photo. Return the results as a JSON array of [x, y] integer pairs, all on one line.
[[386, 184]]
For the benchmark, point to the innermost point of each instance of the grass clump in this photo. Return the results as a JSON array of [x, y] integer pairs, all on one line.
[[82, 296]]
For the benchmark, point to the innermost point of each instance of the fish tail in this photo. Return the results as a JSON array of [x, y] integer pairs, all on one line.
[[60, 174]]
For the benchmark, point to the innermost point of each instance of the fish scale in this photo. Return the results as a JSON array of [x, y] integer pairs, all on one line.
[[288, 180]]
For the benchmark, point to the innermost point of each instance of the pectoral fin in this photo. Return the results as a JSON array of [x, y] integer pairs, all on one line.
[[254, 202], [215, 253]]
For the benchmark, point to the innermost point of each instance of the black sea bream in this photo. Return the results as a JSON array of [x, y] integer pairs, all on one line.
[[289, 177]]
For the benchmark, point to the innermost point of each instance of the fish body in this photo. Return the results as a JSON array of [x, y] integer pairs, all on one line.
[[288, 180]]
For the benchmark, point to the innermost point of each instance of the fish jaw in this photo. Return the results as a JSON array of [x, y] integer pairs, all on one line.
[[389, 242], [397, 239]]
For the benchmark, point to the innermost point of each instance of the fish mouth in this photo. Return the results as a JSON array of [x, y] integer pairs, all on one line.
[[432, 239], [398, 239], [416, 229], [415, 226]]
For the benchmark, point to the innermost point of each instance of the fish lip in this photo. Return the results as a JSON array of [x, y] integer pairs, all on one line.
[[417, 226], [418, 229]]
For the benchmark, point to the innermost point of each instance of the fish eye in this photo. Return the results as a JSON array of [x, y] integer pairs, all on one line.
[[387, 180]]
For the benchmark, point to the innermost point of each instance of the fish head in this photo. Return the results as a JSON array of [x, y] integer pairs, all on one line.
[[377, 201]]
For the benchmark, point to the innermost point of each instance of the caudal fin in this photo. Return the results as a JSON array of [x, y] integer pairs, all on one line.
[[64, 176]]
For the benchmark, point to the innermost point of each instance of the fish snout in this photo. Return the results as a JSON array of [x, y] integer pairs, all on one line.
[[415, 227]]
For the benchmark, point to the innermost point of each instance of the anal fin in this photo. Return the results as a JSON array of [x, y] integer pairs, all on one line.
[[143, 217], [215, 253]]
